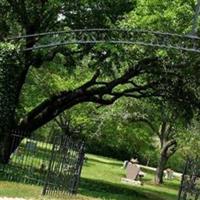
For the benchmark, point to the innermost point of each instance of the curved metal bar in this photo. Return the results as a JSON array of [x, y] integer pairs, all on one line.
[[117, 36], [110, 42], [102, 30]]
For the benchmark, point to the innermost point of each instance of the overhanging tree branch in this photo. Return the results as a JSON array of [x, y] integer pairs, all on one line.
[[57, 103], [169, 148], [104, 93]]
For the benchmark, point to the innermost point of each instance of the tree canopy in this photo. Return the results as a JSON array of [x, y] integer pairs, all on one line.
[[61, 77]]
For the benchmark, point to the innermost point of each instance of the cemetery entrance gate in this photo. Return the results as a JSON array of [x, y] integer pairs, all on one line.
[[54, 163], [64, 167]]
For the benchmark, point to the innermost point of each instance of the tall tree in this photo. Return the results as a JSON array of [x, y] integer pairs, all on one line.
[[29, 17], [165, 122], [139, 77]]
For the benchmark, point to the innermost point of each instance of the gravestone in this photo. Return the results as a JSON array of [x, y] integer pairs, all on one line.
[[132, 171]]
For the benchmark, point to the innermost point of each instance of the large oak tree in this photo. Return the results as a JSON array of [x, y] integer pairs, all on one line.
[[144, 75]]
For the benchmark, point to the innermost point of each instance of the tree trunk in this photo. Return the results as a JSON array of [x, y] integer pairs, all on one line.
[[167, 151], [6, 150], [160, 168], [8, 101]]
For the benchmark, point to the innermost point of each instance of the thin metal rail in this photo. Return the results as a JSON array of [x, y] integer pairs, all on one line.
[[102, 30], [190, 43]]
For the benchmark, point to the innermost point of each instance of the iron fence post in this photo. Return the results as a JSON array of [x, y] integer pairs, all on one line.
[[49, 168]]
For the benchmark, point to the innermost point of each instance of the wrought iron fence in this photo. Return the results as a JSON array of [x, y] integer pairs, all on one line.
[[54, 163], [190, 184]]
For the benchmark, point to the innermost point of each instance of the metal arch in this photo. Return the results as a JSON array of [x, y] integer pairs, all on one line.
[[141, 37]]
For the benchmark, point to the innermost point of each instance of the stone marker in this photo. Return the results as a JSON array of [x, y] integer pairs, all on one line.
[[132, 171]]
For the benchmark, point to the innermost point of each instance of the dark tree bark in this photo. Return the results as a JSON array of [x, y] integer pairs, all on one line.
[[165, 154], [168, 148], [160, 169], [92, 91], [13, 71], [14, 67], [8, 103]]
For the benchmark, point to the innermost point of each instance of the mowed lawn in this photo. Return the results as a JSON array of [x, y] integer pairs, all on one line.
[[101, 179]]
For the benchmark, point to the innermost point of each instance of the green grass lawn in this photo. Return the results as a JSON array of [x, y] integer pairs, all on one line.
[[101, 180]]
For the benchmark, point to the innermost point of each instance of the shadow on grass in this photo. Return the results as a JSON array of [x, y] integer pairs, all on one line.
[[106, 190], [103, 189], [173, 185], [116, 191]]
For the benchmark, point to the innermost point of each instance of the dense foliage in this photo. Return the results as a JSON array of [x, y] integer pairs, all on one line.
[[38, 86]]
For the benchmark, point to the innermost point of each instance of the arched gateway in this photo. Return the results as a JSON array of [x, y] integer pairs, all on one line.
[[189, 188]]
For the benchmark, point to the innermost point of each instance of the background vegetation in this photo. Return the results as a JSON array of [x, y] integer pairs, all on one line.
[[123, 100]]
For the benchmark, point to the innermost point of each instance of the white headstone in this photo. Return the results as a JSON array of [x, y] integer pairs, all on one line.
[[132, 171]]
